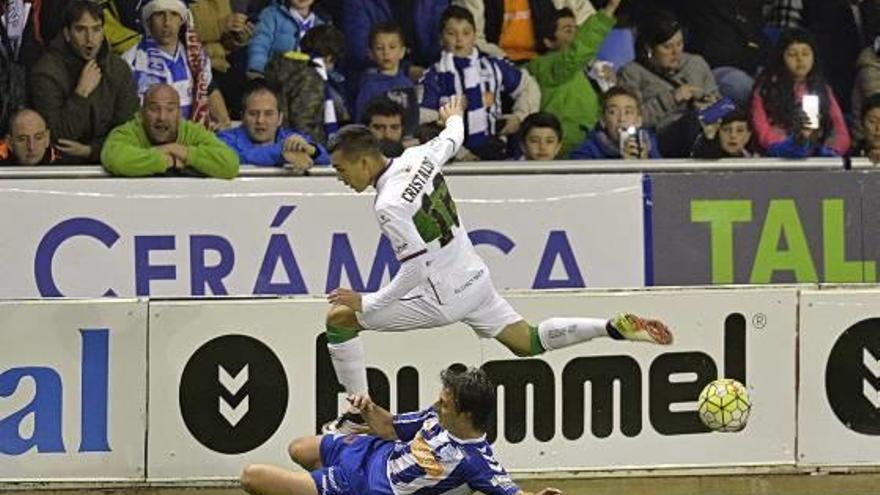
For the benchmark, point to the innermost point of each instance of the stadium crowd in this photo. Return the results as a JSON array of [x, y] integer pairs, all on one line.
[[149, 87]]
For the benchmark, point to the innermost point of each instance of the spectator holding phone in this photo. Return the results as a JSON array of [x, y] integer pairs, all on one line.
[[672, 84], [620, 133], [794, 112]]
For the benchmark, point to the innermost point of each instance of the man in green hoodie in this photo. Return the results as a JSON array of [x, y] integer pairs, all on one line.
[[565, 90], [157, 141], [80, 87]]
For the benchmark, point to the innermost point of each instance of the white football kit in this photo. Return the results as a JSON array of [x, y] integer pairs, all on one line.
[[442, 279]]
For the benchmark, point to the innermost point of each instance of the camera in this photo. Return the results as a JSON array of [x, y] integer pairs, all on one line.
[[630, 132]]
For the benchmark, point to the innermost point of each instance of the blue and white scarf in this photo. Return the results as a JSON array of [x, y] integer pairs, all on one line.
[[478, 78], [302, 23], [150, 65], [331, 121]]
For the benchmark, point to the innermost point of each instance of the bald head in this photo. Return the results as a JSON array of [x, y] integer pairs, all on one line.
[[26, 118], [161, 91], [29, 137], [161, 113]]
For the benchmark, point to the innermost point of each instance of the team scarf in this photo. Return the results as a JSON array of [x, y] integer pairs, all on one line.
[[13, 21], [480, 82], [331, 121], [302, 23], [151, 66], [194, 54]]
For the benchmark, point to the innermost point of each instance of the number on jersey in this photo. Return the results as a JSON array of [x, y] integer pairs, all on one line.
[[437, 215]]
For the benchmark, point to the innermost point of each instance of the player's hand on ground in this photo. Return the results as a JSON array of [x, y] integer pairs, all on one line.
[[455, 106], [550, 491], [345, 297]]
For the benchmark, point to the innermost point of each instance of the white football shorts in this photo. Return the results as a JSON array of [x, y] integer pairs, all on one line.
[[469, 298]]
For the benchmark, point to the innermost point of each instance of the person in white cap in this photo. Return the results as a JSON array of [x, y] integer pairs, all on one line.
[[171, 53]]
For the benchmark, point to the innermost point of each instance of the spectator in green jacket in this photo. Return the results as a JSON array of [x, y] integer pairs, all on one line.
[[157, 141], [565, 89]]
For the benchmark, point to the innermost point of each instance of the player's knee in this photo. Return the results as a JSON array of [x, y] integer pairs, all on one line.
[[520, 351], [341, 316], [249, 478], [298, 452]]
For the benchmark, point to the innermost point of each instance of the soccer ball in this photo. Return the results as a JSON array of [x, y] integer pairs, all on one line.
[[724, 405]]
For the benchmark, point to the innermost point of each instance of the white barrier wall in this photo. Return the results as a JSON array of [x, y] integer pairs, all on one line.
[[73, 389], [184, 237], [233, 381], [249, 381], [839, 409]]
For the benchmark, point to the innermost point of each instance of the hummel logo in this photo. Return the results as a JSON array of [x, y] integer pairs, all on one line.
[[868, 389], [233, 384]]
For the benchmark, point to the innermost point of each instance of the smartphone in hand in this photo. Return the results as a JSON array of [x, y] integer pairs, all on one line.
[[810, 106]]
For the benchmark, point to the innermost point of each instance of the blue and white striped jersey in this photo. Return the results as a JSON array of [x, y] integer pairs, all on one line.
[[429, 460]]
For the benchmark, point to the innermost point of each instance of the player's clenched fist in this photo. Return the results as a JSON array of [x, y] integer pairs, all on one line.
[[345, 297]]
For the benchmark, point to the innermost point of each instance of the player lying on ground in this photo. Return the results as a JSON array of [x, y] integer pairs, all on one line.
[[442, 449], [442, 279]]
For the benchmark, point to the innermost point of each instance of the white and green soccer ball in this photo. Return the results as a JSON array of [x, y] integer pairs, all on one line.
[[724, 405]]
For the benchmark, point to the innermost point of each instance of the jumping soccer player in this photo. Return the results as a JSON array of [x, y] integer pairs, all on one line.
[[441, 279], [442, 449]]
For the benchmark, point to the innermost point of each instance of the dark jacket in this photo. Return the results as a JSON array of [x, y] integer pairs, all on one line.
[[70, 116], [833, 24], [727, 33], [359, 16], [301, 94]]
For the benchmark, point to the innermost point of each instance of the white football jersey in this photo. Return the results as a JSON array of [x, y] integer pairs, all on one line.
[[415, 210]]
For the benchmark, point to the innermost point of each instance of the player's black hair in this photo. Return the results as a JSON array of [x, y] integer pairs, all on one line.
[[76, 9], [324, 40], [869, 104], [259, 85], [473, 392], [547, 27], [386, 28], [459, 13], [541, 119], [354, 140], [385, 107]]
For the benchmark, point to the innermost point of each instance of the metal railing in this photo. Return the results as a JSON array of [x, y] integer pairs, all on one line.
[[502, 168]]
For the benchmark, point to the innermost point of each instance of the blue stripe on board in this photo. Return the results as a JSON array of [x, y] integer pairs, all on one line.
[[648, 220]]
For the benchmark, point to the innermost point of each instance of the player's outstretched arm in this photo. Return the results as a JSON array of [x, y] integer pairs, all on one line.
[[545, 491], [443, 147], [380, 421]]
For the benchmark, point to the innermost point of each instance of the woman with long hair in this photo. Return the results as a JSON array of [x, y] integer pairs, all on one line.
[[782, 125]]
